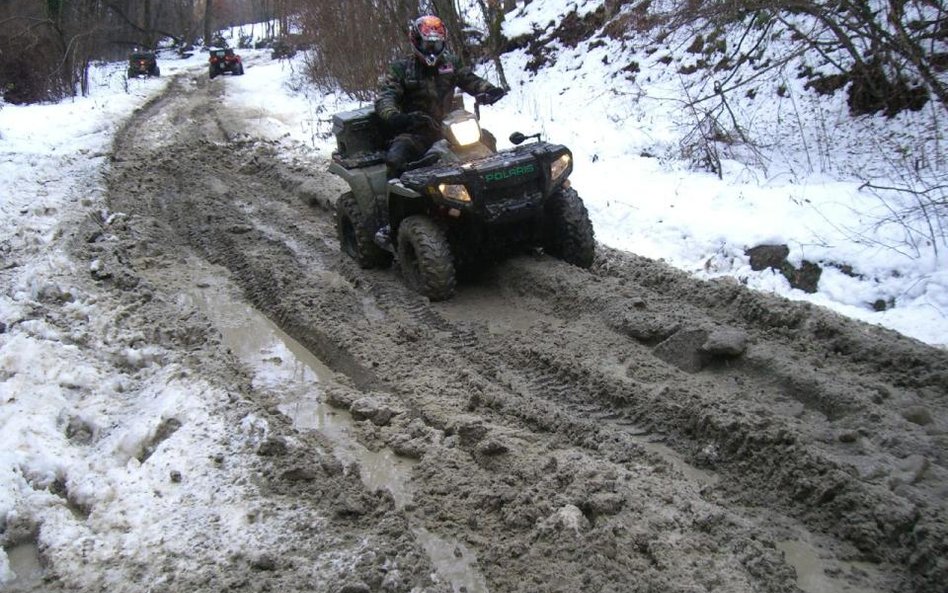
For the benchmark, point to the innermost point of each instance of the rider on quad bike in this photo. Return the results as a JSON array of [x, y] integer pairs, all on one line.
[[440, 197], [417, 92]]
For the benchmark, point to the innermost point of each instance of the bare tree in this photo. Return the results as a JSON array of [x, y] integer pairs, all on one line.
[[208, 22], [47, 48], [350, 61], [887, 52], [143, 24], [494, 17], [888, 56]]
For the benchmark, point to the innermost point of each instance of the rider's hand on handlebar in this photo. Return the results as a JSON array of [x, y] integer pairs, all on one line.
[[491, 96]]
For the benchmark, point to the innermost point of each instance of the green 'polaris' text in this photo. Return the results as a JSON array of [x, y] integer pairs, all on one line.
[[508, 173]]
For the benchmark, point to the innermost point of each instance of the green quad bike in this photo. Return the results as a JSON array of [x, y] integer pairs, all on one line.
[[143, 63], [461, 204]]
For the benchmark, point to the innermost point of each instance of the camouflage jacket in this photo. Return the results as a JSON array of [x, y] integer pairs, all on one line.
[[411, 86]]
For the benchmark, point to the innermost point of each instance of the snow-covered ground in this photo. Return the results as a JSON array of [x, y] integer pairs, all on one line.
[[51, 158]]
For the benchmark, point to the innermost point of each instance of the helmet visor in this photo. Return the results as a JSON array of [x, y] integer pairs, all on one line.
[[431, 47]]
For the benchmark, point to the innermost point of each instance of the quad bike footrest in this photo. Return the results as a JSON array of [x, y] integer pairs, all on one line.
[[361, 159]]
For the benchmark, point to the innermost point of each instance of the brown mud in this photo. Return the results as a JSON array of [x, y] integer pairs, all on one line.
[[624, 428]]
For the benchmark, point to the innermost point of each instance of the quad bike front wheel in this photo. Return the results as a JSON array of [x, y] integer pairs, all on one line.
[[568, 232], [355, 239], [425, 258]]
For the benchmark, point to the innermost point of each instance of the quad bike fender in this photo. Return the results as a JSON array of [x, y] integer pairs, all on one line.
[[365, 182], [337, 169], [404, 202], [368, 187], [359, 183]]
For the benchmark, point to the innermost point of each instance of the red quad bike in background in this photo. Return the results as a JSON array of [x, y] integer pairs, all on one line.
[[224, 60]]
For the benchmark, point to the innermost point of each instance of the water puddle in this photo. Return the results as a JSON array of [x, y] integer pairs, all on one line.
[[818, 575], [372, 310], [455, 562], [672, 457], [691, 472], [26, 564], [283, 365], [379, 469]]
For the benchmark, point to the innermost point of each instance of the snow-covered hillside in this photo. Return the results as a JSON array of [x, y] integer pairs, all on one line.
[[793, 163]]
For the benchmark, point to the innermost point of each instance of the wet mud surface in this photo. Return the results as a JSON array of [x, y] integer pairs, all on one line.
[[624, 428]]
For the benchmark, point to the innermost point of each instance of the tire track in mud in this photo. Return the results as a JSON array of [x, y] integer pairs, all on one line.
[[765, 461], [174, 201], [807, 425], [769, 460], [745, 451]]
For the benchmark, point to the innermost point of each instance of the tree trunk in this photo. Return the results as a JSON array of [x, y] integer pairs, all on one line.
[[494, 17], [447, 12], [147, 23], [208, 22]]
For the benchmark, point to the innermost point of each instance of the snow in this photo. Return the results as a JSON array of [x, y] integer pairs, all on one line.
[[52, 156]]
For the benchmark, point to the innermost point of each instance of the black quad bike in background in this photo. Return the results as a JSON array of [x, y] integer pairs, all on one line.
[[143, 63], [224, 60], [461, 204]]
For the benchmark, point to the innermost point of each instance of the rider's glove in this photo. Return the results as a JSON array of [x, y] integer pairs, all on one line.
[[415, 120], [493, 95]]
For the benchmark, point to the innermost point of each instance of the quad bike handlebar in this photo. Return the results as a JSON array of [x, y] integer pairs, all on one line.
[[487, 98]]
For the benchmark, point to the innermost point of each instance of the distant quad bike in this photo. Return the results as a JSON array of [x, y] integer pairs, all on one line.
[[224, 60], [463, 204], [282, 50], [143, 63]]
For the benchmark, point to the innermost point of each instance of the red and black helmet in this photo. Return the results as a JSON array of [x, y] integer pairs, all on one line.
[[428, 37]]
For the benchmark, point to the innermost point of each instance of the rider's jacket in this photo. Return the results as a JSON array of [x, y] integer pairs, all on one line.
[[409, 85]]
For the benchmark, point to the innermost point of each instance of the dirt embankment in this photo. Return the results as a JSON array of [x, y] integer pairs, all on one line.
[[625, 428]]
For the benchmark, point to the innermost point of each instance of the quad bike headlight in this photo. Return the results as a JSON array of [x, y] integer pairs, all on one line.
[[454, 191], [559, 166], [466, 132]]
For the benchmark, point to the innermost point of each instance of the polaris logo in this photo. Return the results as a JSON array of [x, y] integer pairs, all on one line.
[[508, 173]]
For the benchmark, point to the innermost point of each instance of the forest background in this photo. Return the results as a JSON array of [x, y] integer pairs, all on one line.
[[891, 51]]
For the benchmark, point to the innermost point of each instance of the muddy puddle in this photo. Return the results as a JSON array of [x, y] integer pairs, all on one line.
[[818, 575], [644, 439], [26, 564], [280, 364]]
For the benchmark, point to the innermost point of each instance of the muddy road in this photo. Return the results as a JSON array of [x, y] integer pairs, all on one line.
[[624, 428]]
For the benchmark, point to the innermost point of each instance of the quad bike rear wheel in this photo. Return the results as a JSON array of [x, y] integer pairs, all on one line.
[[425, 258], [355, 239], [568, 232]]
